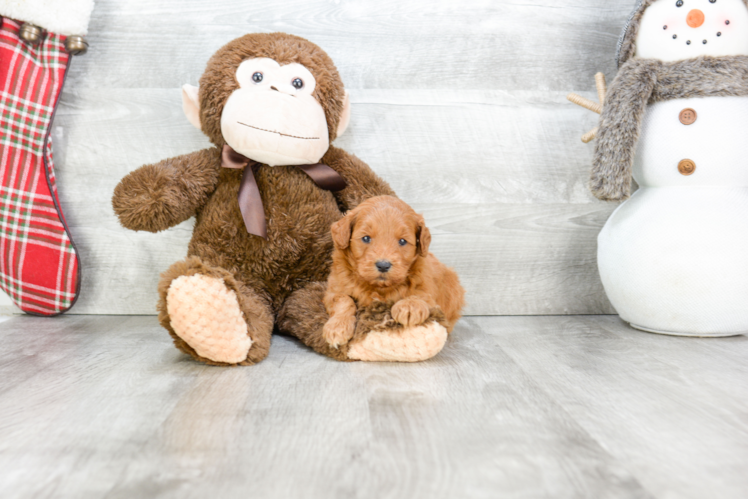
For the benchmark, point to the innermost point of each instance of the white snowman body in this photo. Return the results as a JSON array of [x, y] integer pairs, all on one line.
[[674, 258]]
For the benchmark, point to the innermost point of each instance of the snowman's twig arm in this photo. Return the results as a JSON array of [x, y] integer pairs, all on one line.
[[585, 103], [620, 126], [602, 87], [577, 99], [589, 136]]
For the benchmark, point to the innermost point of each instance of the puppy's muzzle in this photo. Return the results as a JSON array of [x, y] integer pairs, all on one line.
[[383, 265]]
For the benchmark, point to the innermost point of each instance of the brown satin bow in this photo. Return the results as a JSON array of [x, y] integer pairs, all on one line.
[[250, 202]]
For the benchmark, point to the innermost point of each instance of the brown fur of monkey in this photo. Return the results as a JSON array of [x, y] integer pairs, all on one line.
[[296, 255]]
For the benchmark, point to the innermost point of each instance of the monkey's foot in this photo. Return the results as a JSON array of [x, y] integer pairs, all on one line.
[[411, 344], [206, 315]]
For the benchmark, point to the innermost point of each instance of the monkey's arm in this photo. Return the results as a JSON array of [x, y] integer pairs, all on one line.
[[620, 126], [158, 196], [362, 182]]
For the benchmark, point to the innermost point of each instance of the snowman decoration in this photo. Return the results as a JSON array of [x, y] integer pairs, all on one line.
[[674, 257]]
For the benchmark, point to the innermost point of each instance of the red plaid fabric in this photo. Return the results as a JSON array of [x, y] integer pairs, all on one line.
[[39, 265]]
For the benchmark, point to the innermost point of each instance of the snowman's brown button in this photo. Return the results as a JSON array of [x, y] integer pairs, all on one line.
[[686, 167], [687, 116]]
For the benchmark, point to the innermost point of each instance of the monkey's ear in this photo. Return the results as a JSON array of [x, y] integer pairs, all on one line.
[[423, 236], [191, 104], [341, 231], [345, 116]]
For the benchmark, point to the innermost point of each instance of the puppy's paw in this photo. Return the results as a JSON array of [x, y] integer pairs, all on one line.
[[410, 311], [339, 330]]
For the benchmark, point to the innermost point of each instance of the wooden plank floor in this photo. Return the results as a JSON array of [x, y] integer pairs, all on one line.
[[513, 407]]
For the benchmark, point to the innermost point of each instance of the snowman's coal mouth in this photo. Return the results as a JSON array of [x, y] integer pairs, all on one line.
[[703, 42]]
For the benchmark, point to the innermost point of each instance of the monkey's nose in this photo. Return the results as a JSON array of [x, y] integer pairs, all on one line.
[[383, 265], [695, 18]]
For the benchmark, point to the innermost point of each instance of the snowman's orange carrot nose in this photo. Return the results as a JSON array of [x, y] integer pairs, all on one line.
[[695, 18]]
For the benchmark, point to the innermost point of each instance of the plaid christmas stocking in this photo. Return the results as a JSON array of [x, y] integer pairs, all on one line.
[[39, 265]]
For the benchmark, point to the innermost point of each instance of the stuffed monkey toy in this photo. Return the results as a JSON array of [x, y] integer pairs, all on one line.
[[264, 197]]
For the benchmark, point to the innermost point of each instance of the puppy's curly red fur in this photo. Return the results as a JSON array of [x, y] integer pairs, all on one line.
[[382, 254]]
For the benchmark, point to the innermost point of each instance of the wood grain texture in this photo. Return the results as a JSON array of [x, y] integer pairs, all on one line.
[[389, 44], [672, 409], [513, 407], [461, 107]]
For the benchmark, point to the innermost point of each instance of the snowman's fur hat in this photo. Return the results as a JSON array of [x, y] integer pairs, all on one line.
[[627, 42]]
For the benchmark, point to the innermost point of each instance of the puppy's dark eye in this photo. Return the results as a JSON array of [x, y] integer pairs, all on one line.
[[679, 3], [257, 77], [366, 239], [297, 83], [403, 242]]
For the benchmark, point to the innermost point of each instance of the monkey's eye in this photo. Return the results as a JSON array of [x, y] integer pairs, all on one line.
[[257, 77], [403, 242], [298, 83], [366, 239], [679, 3]]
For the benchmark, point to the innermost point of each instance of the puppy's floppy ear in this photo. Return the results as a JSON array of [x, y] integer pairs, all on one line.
[[341, 231], [423, 238]]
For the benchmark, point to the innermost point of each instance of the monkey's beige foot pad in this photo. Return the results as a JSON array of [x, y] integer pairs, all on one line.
[[412, 344], [206, 314]]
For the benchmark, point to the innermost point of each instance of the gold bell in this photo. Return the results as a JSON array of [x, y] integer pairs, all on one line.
[[76, 45], [31, 33]]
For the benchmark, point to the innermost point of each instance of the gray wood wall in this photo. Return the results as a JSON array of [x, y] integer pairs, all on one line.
[[460, 105]]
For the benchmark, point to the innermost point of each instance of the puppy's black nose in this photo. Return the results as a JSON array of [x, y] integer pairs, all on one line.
[[383, 265]]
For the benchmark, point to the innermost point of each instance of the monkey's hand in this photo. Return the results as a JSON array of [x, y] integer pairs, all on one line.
[[410, 311], [158, 196]]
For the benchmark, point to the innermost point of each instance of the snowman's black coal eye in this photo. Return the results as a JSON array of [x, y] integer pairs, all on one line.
[[675, 37], [257, 77], [297, 83], [727, 22], [704, 42], [712, 1], [679, 3], [688, 42], [719, 33], [664, 27]]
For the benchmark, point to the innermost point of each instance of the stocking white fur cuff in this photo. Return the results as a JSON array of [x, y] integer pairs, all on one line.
[[62, 17]]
